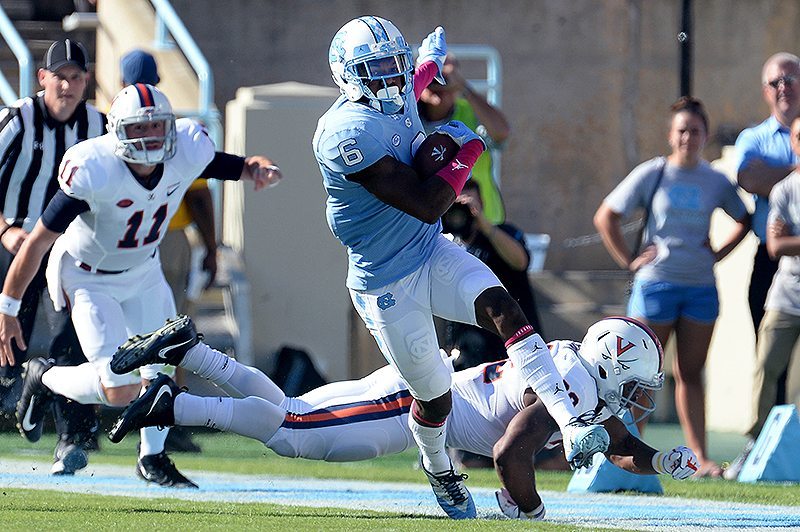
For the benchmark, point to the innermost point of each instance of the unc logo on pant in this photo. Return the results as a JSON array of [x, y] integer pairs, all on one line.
[[385, 301]]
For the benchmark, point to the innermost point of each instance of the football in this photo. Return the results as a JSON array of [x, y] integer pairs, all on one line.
[[434, 153]]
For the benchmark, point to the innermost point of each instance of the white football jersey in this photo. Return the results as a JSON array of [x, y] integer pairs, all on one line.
[[126, 222], [487, 397]]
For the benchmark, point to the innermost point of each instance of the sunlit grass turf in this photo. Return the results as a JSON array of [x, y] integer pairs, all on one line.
[[27, 510], [31, 510]]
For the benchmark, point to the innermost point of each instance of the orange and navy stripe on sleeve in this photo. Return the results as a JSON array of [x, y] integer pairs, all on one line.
[[393, 405]]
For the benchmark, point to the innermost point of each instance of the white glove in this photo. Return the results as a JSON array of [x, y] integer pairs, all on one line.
[[510, 508], [459, 132], [434, 48], [680, 462]]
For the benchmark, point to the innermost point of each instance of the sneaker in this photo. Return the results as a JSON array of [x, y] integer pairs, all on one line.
[[179, 440], [733, 470], [68, 457], [153, 409], [451, 493], [35, 399], [166, 345], [159, 469], [582, 441]]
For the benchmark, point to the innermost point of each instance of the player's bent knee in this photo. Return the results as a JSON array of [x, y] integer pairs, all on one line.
[[122, 395], [432, 386]]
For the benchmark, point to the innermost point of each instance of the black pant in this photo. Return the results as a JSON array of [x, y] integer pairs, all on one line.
[[71, 418], [764, 269]]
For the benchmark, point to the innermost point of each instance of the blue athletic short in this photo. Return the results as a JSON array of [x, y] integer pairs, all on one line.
[[663, 302]]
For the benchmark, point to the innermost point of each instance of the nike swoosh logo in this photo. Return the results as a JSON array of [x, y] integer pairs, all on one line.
[[162, 354], [172, 190], [165, 389], [27, 426]]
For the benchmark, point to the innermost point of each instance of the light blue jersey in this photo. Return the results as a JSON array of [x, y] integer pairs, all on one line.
[[768, 141], [384, 244]]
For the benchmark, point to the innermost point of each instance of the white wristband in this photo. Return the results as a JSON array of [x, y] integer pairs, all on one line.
[[657, 463], [9, 306]]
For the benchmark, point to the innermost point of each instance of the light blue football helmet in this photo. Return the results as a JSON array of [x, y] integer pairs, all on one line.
[[367, 49]]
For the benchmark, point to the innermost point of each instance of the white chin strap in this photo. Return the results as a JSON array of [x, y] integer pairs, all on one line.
[[389, 100]]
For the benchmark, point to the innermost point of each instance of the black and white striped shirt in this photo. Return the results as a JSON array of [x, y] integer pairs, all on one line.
[[32, 144]]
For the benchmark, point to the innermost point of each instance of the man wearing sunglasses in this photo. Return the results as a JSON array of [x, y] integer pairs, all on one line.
[[763, 158]]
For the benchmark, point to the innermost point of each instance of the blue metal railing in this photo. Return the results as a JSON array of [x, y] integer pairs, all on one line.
[[168, 23], [236, 295], [492, 83], [23, 55]]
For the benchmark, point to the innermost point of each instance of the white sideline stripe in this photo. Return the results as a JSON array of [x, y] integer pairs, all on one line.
[[638, 512]]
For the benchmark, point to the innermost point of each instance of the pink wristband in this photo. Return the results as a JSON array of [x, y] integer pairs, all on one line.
[[457, 171], [524, 331], [423, 77]]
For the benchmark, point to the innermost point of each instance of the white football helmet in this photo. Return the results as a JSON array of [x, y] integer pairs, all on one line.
[[137, 104], [367, 49], [626, 360]]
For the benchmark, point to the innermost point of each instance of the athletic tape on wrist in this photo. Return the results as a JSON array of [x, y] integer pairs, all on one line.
[[657, 464], [9, 306]]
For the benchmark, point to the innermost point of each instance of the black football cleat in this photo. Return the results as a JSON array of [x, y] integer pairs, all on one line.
[[153, 409], [166, 345], [35, 399], [159, 469]]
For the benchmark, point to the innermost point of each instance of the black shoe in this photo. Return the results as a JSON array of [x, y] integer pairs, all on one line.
[[10, 392], [90, 443], [179, 440], [159, 469], [166, 345], [153, 409], [87, 439], [68, 457], [35, 399]]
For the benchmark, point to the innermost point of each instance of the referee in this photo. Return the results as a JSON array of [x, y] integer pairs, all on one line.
[[34, 134]]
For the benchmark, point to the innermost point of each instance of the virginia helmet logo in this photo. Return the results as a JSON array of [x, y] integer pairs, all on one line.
[[622, 348]]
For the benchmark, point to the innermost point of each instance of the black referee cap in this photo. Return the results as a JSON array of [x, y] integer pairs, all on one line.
[[63, 53]]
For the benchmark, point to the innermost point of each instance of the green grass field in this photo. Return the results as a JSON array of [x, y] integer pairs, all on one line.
[[45, 510]]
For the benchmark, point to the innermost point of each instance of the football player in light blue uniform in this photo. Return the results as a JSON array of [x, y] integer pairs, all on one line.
[[402, 271]]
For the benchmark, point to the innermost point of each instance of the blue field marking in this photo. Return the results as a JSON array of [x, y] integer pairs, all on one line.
[[590, 510]]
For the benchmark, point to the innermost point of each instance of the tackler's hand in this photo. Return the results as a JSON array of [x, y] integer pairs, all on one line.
[[680, 462], [510, 508], [262, 171]]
